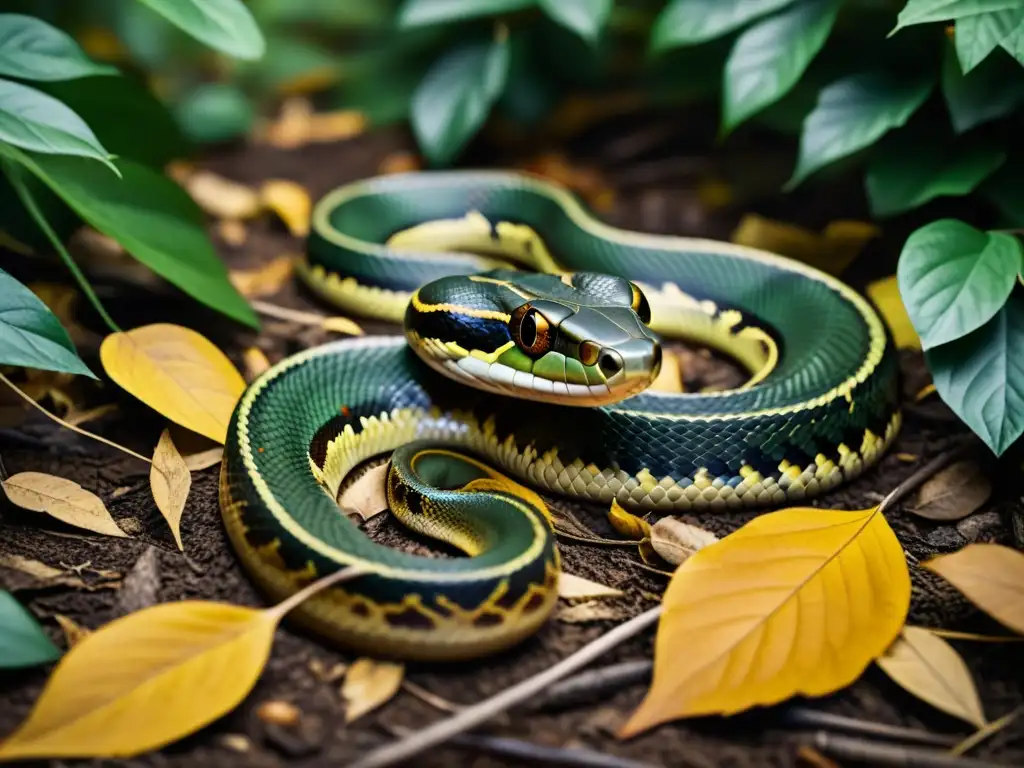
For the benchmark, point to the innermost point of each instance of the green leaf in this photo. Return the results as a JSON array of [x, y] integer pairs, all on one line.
[[770, 56], [981, 377], [954, 278], [214, 112], [31, 49], [686, 22], [418, 13], [917, 166], [153, 218], [924, 11], [1013, 43], [331, 14], [32, 120], [587, 18], [991, 91], [454, 99], [978, 35], [225, 25], [853, 113], [31, 336], [23, 643]]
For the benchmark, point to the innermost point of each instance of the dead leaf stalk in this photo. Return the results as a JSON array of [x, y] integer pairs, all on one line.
[[985, 732]]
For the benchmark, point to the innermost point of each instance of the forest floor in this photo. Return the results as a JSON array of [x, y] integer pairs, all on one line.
[[103, 578]]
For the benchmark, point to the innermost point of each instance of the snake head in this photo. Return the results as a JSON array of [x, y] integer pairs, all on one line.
[[575, 339]]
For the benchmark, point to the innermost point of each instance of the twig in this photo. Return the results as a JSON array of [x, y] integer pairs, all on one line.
[[472, 716], [952, 634], [588, 685], [919, 477], [983, 733], [596, 541], [803, 717], [438, 702], [882, 754]]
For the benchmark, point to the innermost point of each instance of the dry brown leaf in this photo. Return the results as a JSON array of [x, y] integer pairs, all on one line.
[[629, 525], [953, 493], [73, 633], [989, 575], [222, 197], [592, 610], [369, 684], [42, 575], [63, 499], [171, 481], [290, 201], [652, 559], [142, 584], [204, 459], [831, 251], [929, 668], [367, 495], [298, 124], [572, 587], [338, 324], [265, 280], [255, 362], [77, 418], [232, 232], [676, 541]]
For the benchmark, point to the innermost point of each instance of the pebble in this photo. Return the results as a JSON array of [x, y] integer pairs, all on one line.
[[278, 712]]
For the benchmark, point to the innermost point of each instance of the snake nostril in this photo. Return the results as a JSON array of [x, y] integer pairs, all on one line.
[[609, 364]]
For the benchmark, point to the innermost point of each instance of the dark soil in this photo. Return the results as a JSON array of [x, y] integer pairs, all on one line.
[[150, 569]]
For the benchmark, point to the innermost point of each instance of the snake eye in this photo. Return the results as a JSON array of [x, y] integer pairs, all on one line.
[[531, 331], [640, 305]]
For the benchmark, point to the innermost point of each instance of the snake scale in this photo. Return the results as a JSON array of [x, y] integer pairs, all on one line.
[[532, 334]]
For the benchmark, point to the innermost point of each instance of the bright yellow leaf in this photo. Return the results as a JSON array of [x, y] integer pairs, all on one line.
[[255, 362], [885, 294], [290, 201], [930, 668], [63, 499], [170, 479], [178, 373], [266, 279], [369, 684], [222, 197], [989, 575], [831, 251], [798, 601], [629, 525]]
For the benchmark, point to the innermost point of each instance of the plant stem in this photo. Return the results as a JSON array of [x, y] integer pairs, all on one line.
[[290, 603], [919, 477], [983, 733], [72, 427]]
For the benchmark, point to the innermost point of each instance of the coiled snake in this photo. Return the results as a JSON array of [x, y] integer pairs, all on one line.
[[531, 338]]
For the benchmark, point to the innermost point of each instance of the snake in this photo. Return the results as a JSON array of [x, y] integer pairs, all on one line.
[[533, 339]]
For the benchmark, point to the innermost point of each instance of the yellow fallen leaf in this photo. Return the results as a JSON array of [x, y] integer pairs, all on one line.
[[338, 324], [676, 541], [171, 481], [265, 280], [953, 493], [989, 575], [796, 602], [204, 459], [592, 610], [290, 201], [73, 632], [152, 677], [221, 197], [63, 499], [651, 558], [255, 362], [573, 587], [831, 251], [629, 525], [928, 667], [885, 293], [232, 232], [368, 684], [176, 372], [367, 496], [336, 125]]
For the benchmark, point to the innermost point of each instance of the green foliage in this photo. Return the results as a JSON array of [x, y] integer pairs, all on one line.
[[23, 643], [686, 22], [31, 49], [222, 24]]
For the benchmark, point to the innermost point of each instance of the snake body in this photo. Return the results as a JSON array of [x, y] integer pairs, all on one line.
[[532, 336]]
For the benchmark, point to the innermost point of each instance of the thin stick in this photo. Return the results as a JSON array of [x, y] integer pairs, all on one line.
[[983, 733], [290, 603], [472, 716], [897, 755], [797, 717], [952, 634], [72, 427], [592, 684], [919, 477]]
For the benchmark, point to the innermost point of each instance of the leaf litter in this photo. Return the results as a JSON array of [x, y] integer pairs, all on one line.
[[170, 480], [369, 684], [62, 499], [954, 493]]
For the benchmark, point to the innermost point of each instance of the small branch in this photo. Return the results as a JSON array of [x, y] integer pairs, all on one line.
[[72, 427], [592, 684], [802, 717], [290, 603], [895, 755], [918, 478], [470, 717], [983, 733], [952, 634]]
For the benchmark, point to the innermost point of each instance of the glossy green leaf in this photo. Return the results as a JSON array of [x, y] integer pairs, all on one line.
[[687, 22], [924, 11], [1013, 43], [853, 113], [990, 92], [32, 120], [917, 166], [153, 218], [978, 35], [225, 25], [981, 377], [587, 18], [418, 13], [455, 97], [954, 278], [23, 643], [31, 49], [31, 335], [770, 56], [214, 112]]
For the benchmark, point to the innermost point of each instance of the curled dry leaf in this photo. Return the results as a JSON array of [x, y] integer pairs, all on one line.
[[573, 587], [930, 668], [177, 372], [885, 293], [222, 198], [63, 499], [367, 495], [34, 574], [953, 493], [675, 541], [266, 279], [204, 459], [798, 601], [170, 479], [626, 523], [989, 575], [290, 201], [73, 632], [831, 251], [369, 684], [255, 362]]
